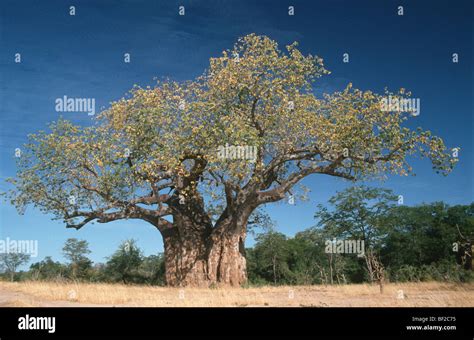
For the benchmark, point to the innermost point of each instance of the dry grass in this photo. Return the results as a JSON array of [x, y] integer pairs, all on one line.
[[432, 294]]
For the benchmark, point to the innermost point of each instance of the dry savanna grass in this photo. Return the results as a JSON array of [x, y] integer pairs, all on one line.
[[433, 294]]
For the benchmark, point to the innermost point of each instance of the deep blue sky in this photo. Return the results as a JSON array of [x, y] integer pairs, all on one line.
[[82, 56]]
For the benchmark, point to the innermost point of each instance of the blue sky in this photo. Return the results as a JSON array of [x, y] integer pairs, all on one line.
[[82, 56]]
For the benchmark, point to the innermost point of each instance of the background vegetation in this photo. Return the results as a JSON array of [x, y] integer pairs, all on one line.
[[428, 242]]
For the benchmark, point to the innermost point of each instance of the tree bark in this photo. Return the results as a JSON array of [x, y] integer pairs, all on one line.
[[226, 258], [197, 257], [200, 254], [185, 243], [185, 262]]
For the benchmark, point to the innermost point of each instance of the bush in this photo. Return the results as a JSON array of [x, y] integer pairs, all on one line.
[[441, 271]]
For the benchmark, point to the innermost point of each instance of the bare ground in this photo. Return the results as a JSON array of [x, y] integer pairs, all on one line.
[[51, 294]]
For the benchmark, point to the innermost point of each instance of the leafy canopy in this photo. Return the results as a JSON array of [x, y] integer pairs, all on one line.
[[159, 142]]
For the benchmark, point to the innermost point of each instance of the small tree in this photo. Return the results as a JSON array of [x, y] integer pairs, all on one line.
[[9, 262], [153, 268], [47, 269], [124, 264], [463, 217], [360, 213], [311, 260], [75, 251], [271, 252]]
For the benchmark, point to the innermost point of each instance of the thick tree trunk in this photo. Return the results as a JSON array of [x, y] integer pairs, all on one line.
[[185, 246], [226, 261], [199, 254], [199, 258]]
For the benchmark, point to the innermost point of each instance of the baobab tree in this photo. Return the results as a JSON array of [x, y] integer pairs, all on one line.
[[156, 155]]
